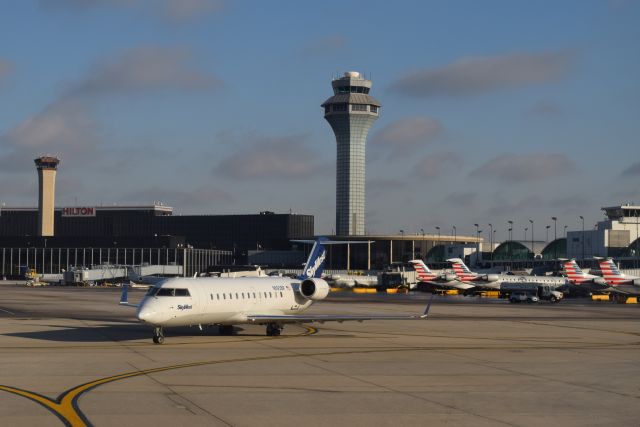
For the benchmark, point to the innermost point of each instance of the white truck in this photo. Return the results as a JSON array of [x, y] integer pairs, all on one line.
[[530, 292]]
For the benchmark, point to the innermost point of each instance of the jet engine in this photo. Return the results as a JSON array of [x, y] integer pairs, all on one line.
[[314, 289], [491, 277], [449, 277], [636, 282], [600, 281]]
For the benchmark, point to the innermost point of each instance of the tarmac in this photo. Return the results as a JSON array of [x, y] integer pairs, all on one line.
[[73, 356]]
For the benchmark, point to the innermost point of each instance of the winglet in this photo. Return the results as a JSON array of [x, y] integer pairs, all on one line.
[[426, 311]]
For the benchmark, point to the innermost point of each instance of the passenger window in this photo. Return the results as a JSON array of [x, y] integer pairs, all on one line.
[[254, 294], [165, 292], [218, 295], [237, 297], [243, 295], [281, 294], [224, 296], [270, 295]]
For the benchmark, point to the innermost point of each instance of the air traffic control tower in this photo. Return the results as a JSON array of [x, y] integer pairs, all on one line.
[[47, 167], [350, 112]]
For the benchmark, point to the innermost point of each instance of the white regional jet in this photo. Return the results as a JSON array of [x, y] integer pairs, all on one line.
[[269, 301]]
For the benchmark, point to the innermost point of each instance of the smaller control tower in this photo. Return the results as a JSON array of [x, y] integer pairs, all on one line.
[[47, 167]]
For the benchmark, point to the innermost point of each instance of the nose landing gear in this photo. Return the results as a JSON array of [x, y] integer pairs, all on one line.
[[273, 329], [158, 335]]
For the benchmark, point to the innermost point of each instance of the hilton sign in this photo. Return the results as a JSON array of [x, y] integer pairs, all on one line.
[[83, 211]]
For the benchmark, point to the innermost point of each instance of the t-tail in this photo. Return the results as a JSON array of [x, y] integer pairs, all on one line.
[[422, 271], [315, 264], [574, 273], [461, 270], [610, 272]]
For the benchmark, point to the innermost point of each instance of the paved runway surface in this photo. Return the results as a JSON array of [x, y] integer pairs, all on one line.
[[71, 355]]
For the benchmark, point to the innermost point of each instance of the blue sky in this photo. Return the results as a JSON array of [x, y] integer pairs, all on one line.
[[492, 111]]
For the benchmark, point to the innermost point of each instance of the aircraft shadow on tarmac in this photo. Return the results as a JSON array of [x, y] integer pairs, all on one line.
[[116, 333]]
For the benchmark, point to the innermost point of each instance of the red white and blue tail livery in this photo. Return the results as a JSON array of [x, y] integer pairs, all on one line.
[[612, 274], [462, 271]]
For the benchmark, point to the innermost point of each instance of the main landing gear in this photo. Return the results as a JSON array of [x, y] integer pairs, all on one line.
[[273, 329], [158, 335]]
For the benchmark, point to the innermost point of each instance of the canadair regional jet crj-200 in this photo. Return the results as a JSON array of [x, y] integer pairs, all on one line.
[[269, 301]]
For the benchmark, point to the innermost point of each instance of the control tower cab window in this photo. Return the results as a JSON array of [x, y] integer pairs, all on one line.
[[359, 107], [373, 109]]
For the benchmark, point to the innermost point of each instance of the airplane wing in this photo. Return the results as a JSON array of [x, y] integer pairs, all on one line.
[[321, 318]]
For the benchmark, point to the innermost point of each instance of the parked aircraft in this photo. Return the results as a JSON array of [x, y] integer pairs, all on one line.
[[269, 301], [497, 281], [618, 282], [442, 281], [579, 280]]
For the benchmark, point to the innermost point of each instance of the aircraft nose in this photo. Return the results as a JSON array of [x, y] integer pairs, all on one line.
[[146, 314]]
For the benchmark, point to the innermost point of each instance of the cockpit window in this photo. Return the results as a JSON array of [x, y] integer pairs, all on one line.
[[170, 292], [165, 292], [152, 291]]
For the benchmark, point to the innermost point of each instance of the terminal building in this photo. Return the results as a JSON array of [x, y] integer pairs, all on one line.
[[154, 226], [86, 236], [617, 236]]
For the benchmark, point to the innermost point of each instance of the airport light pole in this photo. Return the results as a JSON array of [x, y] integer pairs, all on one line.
[[438, 228], [402, 246], [455, 237], [533, 251], [555, 237], [582, 218], [491, 242], [477, 241], [547, 237], [510, 238]]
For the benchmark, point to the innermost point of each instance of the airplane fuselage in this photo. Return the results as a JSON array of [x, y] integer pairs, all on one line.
[[221, 301]]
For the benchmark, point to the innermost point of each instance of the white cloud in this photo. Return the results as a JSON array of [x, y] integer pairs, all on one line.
[[632, 170], [407, 135], [172, 11], [511, 168], [469, 76], [433, 165], [6, 68], [320, 46], [145, 68], [271, 158]]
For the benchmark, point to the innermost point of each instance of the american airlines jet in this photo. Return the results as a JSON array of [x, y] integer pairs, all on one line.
[[425, 275], [580, 280], [496, 281], [269, 301], [618, 281]]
